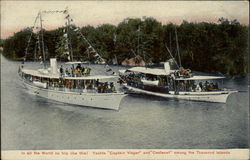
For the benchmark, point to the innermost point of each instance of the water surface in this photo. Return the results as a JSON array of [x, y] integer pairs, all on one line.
[[31, 122]]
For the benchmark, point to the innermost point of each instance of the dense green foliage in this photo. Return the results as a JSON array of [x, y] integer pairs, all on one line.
[[208, 47]]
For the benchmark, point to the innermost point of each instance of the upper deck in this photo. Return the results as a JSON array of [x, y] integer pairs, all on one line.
[[47, 74]]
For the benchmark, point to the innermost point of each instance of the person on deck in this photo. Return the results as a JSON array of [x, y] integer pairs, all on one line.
[[83, 71], [72, 71], [216, 86], [79, 67], [87, 71], [97, 83], [201, 86], [198, 88], [61, 70], [112, 87], [206, 86], [104, 87]]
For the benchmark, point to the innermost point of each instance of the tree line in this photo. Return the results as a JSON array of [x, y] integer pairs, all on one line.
[[207, 47]]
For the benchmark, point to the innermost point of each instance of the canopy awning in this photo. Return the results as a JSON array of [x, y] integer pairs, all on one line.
[[153, 71], [76, 62], [200, 78], [91, 77], [38, 74]]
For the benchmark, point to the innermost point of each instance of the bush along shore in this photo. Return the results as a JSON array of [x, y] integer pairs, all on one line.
[[207, 47]]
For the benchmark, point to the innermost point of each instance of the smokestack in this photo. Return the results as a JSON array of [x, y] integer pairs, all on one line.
[[167, 68], [53, 66]]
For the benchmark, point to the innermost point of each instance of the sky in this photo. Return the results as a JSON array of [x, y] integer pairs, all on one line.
[[16, 15]]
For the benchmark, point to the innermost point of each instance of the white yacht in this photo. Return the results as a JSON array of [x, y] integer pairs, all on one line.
[[174, 84], [173, 81], [73, 84], [85, 90]]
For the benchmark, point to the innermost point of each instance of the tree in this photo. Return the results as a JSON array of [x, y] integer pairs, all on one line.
[[207, 47], [14, 47]]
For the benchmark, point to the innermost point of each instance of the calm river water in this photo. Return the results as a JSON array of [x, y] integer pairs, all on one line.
[[30, 122]]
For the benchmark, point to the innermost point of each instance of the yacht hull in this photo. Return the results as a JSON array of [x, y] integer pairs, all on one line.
[[96, 100], [215, 96]]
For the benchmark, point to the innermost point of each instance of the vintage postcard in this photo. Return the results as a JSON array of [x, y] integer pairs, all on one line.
[[124, 80]]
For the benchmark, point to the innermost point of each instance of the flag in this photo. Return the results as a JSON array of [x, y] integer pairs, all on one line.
[[66, 47], [99, 59], [139, 28], [92, 51], [67, 16], [114, 38], [108, 70], [78, 36], [67, 52]]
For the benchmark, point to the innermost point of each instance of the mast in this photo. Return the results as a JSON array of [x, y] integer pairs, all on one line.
[[170, 46], [68, 33], [35, 55], [138, 52], [138, 43], [177, 44], [42, 43]]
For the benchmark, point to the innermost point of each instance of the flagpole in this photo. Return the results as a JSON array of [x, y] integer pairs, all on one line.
[[138, 53], [177, 44], [41, 25], [68, 33]]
